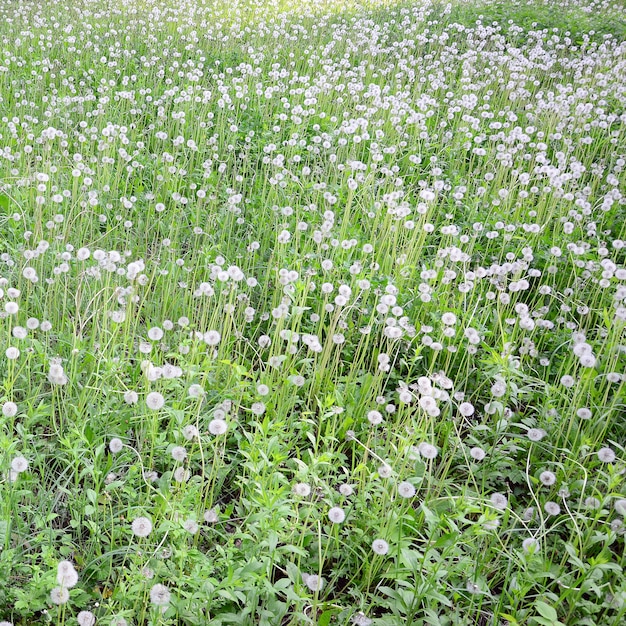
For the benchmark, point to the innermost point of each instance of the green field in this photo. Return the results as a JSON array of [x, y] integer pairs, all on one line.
[[312, 313]]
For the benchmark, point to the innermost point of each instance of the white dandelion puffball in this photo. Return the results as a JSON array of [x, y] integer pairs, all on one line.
[[218, 427], [155, 333], [374, 417], [313, 582], [160, 595], [385, 471], [406, 489], [190, 432], [115, 445], [67, 576], [301, 489], [12, 353], [9, 409], [449, 319], [195, 391], [19, 464], [86, 618], [551, 508], [131, 397], [536, 434], [499, 501], [478, 454], [141, 527], [466, 409], [530, 545], [191, 526], [427, 450], [336, 515], [380, 546], [181, 475], [547, 478], [606, 455], [59, 595], [155, 401], [179, 453], [346, 490], [212, 338]]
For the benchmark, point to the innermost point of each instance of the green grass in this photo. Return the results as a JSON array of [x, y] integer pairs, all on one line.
[[369, 256], [578, 23]]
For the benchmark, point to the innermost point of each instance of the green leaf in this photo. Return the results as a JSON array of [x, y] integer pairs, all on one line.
[[326, 616], [545, 610]]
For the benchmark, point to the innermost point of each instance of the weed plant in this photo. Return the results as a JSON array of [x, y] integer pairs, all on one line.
[[312, 313]]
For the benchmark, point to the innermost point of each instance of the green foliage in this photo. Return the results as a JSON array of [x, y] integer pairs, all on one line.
[[312, 313]]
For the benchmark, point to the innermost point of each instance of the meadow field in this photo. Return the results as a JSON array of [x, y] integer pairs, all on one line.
[[313, 312]]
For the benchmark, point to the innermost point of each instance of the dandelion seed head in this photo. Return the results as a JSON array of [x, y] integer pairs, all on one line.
[[466, 409], [155, 333], [19, 464], [12, 353], [449, 319], [547, 478], [86, 618], [606, 455], [59, 595], [191, 526], [406, 489], [498, 389], [218, 427], [160, 595], [427, 450], [478, 454], [301, 489], [385, 471], [499, 501], [67, 576], [116, 445], [346, 490], [530, 545], [380, 547], [141, 526], [536, 434], [131, 397], [181, 475], [360, 619], [179, 453], [336, 515], [551, 508], [195, 391], [258, 408], [155, 401], [212, 338], [313, 582], [472, 587], [374, 417]]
